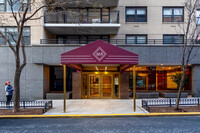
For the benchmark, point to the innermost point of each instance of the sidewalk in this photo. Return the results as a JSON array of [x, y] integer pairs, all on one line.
[[96, 106], [88, 108]]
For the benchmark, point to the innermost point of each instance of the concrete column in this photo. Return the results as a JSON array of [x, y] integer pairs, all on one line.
[[76, 85], [124, 85], [46, 79], [196, 80]]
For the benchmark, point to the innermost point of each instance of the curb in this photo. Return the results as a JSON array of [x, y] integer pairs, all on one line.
[[99, 115]]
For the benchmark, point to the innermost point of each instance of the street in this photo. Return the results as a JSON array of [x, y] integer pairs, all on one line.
[[103, 125]]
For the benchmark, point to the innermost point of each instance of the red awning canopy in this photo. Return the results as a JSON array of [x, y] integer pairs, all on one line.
[[99, 52]]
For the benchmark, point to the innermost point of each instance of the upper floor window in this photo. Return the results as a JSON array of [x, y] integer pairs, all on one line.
[[83, 15], [80, 39], [136, 39], [2, 41], [11, 34], [2, 5], [136, 14], [173, 39], [173, 14], [198, 16], [6, 6]]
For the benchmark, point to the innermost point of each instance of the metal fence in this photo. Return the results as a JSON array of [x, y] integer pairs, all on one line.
[[169, 102], [112, 41], [45, 104]]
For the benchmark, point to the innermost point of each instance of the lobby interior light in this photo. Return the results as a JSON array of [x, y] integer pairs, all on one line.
[[96, 72], [105, 72], [97, 68]]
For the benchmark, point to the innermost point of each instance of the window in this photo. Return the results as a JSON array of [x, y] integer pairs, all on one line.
[[76, 39], [94, 15], [138, 14], [198, 17], [88, 15], [24, 4], [12, 34], [173, 39], [16, 5], [136, 39], [56, 78], [173, 14], [2, 5], [2, 41], [26, 35], [106, 15], [159, 78], [5, 5]]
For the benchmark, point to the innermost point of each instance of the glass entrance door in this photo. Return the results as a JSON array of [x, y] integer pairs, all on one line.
[[94, 86], [106, 86], [100, 86]]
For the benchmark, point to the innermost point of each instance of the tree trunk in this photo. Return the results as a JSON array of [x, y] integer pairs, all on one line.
[[180, 88], [17, 75], [16, 107]]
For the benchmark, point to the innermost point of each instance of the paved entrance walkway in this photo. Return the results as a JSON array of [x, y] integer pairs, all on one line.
[[96, 106]]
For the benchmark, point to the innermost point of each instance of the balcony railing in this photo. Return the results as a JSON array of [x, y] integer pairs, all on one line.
[[113, 41], [90, 17], [87, 3]]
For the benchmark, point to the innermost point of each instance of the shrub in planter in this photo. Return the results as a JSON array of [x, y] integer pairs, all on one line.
[[177, 79]]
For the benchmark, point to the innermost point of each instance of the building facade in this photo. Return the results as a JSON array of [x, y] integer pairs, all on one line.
[[147, 28]]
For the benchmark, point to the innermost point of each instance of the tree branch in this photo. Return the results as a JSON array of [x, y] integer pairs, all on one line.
[[8, 41], [10, 2], [36, 11]]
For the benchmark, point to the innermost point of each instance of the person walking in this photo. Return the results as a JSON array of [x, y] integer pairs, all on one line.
[[9, 92]]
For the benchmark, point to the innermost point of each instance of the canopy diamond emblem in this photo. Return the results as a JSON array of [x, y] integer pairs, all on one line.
[[99, 54]]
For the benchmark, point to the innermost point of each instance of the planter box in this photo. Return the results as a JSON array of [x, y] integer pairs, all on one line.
[[172, 94], [143, 95], [58, 95]]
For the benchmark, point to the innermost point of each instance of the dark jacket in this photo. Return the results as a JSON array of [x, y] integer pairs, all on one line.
[[9, 90]]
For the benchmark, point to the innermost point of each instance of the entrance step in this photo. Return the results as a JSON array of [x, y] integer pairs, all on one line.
[[58, 95]]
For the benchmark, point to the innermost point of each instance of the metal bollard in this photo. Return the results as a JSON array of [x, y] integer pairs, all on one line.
[[24, 104]]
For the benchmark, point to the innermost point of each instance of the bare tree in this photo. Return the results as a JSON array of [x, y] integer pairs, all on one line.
[[190, 30], [22, 11]]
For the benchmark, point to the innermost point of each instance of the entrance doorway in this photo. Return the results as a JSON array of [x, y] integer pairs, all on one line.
[[100, 85]]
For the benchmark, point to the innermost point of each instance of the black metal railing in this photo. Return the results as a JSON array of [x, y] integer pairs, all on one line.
[[84, 18], [112, 41], [45, 104], [169, 102]]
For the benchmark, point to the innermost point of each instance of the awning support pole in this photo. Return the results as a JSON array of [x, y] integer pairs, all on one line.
[[64, 86], [134, 89]]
